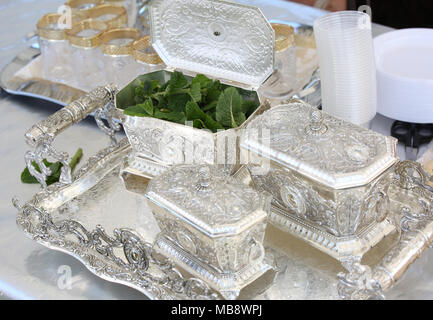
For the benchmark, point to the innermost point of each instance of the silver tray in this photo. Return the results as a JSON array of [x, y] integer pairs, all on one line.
[[31, 83], [23, 75], [112, 231]]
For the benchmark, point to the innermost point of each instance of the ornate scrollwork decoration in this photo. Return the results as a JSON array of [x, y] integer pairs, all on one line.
[[410, 175], [132, 265], [108, 112], [45, 149], [358, 282], [41, 135]]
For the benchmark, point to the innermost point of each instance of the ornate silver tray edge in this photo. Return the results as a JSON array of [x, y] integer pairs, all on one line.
[[35, 87], [361, 282], [103, 262]]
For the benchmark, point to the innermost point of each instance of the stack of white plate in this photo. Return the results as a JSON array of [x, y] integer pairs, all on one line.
[[404, 61]]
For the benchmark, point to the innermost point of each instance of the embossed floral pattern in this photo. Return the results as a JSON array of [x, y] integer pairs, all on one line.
[[226, 40]]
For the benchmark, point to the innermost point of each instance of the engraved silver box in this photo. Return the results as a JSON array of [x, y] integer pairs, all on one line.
[[211, 224], [223, 40], [329, 178]]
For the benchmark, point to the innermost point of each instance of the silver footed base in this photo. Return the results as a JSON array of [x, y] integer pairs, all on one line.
[[228, 285]]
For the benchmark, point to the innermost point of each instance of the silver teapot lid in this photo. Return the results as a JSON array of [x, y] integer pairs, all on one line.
[[221, 39], [326, 149], [205, 197]]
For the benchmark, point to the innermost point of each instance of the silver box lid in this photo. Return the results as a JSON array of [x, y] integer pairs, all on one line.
[[224, 40], [326, 149], [208, 199]]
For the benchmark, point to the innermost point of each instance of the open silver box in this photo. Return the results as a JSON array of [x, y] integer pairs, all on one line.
[[128, 256], [225, 41]]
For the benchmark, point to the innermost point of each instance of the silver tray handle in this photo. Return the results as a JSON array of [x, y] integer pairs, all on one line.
[[416, 227], [41, 135], [416, 234]]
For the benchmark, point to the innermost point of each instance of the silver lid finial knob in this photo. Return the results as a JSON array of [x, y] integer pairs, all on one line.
[[316, 127], [204, 178]]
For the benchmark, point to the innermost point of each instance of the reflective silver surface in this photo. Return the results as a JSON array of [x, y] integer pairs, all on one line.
[[36, 272], [111, 232]]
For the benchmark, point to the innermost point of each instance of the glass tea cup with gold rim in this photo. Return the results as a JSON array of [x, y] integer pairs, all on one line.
[[283, 81], [145, 56], [119, 64], [86, 54], [55, 50], [131, 9], [113, 16], [80, 7]]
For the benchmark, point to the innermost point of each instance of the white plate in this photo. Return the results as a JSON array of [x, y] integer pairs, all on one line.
[[404, 63]]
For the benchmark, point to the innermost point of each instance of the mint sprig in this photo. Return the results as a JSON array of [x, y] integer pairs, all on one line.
[[207, 103]]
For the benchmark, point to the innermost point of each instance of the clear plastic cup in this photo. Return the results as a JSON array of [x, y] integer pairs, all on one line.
[[347, 66]]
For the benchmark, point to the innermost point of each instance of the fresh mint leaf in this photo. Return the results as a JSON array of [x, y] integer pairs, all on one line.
[[204, 81], [177, 81], [193, 111], [76, 159], [177, 102], [248, 107], [148, 106], [212, 113], [210, 106], [161, 101], [163, 87], [139, 92], [56, 168], [139, 99], [211, 124], [198, 124], [239, 118], [213, 95], [136, 111], [173, 116], [217, 85], [195, 91], [214, 92], [229, 104]]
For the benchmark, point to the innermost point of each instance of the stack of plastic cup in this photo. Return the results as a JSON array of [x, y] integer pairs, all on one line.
[[347, 66]]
